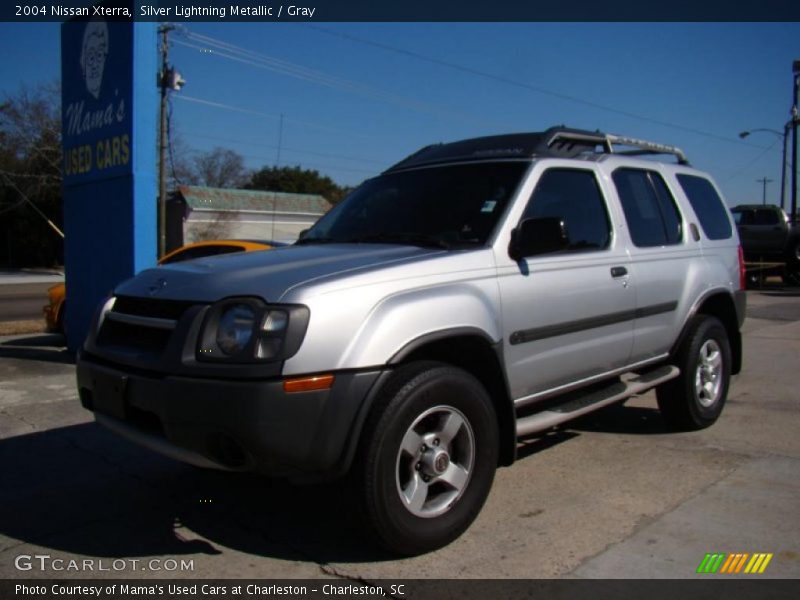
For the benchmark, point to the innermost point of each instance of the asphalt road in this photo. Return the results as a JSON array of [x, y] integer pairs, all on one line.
[[613, 495]]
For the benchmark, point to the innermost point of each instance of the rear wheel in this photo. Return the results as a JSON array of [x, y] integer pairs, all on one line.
[[695, 399], [428, 457]]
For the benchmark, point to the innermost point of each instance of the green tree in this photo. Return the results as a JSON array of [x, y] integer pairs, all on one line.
[[296, 180], [30, 174]]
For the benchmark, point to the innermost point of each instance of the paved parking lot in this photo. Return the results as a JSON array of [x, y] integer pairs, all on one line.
[[613, 495]]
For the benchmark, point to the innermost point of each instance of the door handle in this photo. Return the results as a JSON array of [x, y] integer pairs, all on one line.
[[619, 271]]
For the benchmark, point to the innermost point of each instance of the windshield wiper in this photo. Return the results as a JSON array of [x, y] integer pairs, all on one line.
[[416, 239], [316, 240]]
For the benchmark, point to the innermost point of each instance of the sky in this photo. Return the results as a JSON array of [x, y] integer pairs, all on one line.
[[358, 97]]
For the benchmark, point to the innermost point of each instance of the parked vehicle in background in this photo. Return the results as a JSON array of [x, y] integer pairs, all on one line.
[[54, 310], [473, 293], [768, 237]]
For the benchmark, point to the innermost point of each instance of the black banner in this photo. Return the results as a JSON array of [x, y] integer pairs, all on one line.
[[402, 10], [439, 589]]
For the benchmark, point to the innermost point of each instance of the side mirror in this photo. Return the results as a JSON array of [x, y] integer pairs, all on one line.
[[538, 236], [303, 233]]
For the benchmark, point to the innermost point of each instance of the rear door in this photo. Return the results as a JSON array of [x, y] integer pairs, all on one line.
[[662, 254]]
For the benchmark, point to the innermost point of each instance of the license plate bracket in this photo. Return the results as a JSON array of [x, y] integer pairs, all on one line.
[[109, 394]]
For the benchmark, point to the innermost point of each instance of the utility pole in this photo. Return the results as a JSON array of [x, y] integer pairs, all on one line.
[[280, 143], [162, 144], [795, 121], [765, 181], [786, 128], [168, 79]]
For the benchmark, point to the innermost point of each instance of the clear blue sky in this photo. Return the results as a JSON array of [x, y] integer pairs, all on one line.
[[351, 108]]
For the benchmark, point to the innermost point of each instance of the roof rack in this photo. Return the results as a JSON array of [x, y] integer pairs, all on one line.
[[556, 142], [562, 140]]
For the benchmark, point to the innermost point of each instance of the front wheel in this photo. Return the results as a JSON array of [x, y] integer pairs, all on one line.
[[428, 457], [695, 399]]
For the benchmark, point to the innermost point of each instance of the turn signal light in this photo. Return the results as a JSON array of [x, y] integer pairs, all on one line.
[[308, 384]]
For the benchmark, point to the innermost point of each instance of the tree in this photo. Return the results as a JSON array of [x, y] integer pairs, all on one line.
[[221, 168], [298, 181], [30, 173]]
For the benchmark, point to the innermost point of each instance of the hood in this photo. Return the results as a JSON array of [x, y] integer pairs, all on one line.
[[269, 274]]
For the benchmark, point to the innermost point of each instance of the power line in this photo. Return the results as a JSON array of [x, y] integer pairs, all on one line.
[[43, 176], [263, 61], [257, 113], [286, 148], [313, 165], [29, 201], [751, 162], [523, 85]]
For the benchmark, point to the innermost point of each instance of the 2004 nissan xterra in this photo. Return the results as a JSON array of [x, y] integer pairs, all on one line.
[[473, 293]]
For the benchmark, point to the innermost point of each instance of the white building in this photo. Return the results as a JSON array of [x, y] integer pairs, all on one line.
[[196, 213]]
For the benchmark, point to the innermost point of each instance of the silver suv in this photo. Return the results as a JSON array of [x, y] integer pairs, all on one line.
[[474, 293]]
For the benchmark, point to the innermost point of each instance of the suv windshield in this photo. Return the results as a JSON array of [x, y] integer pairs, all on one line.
[[446, 206]]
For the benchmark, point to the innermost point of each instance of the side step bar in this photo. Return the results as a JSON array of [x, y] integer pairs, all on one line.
[[577, 404]]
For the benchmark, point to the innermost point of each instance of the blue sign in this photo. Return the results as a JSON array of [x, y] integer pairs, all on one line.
[[109, 105], [97, 100]]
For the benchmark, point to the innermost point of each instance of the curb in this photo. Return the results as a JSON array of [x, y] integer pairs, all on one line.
[[22, 327]]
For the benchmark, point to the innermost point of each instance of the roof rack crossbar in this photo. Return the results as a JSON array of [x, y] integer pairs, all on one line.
[[571, 141], [645, 147]]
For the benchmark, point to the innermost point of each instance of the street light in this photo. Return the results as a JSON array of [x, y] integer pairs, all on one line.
[[785, 136]]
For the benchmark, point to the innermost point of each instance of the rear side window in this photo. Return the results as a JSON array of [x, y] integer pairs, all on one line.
[[573, 196], [765, 216], [653, 219], [708, 206]]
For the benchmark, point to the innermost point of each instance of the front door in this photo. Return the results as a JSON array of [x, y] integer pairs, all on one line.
[[568, 315]]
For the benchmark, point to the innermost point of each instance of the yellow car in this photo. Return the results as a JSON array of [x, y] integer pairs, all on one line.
[[57, 294]]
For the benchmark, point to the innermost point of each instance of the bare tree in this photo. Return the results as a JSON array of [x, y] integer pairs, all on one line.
[[221, 168], [30, 175]]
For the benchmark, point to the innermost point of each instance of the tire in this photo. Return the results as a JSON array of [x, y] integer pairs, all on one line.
[[793, 254], [755, 280], [695, 399], [792, 275], [427, 458]]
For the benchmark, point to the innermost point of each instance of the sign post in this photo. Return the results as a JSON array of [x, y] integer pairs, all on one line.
[[109, 108]]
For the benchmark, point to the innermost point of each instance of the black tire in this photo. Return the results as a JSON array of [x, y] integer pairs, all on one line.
[[792, 275], [695, 399], [793, 253], [414, 406], [755, 280]]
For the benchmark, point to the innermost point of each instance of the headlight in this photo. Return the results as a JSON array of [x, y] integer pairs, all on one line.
[[246, 330], [235, 328]]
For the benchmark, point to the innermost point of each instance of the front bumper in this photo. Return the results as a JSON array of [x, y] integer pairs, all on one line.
[[243, 425]]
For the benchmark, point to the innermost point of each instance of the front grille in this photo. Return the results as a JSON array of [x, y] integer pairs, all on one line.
[[142, 326], [115, 335], [151, 307]]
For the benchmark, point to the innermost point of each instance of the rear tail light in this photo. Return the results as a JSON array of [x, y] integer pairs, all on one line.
[[742, 270]]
